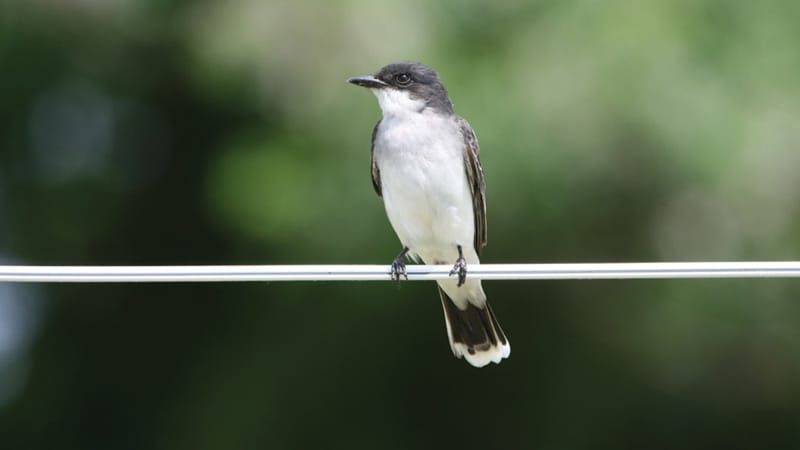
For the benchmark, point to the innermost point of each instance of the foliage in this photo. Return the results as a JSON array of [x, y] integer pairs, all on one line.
[[196, 132]]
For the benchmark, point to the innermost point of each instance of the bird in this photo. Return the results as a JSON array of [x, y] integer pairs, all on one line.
[[425, 166]]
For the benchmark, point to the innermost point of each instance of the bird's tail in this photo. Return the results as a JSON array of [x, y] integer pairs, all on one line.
[[474, 333]]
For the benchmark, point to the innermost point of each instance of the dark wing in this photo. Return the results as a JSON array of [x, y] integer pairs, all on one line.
[[376, 174], [477, 184]]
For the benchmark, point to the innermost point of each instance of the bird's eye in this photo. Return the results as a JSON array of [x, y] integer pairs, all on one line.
[[402, 78]]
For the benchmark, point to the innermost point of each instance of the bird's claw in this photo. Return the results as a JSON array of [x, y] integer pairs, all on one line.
[[398, 269], [460, 269]]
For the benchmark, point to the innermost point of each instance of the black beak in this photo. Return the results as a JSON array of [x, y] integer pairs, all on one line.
[[368, 81]]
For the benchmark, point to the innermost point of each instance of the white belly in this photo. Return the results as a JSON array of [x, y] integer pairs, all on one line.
[[424, 186]]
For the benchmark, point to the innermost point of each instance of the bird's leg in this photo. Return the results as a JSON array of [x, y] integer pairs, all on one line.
[[399, 267], [460, 267]]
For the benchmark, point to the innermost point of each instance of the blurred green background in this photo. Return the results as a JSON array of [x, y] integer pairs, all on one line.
[[200, 132]]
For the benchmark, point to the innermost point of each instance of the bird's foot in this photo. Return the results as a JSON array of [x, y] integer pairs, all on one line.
[[399, 267], [460, 268]]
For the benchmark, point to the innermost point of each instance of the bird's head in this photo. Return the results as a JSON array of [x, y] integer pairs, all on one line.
[[405, 88]]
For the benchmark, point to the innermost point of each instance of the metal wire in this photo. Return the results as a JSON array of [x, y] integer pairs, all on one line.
[[582, 271]]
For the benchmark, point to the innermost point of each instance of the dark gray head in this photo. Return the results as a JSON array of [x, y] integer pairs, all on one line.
[[407, 86]]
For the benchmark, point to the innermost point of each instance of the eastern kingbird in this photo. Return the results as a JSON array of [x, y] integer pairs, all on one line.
[[425, 166]]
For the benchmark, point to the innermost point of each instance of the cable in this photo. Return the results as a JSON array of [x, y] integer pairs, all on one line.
[[582, 271]]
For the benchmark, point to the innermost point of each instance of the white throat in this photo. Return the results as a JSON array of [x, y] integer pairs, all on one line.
[[397, 102]]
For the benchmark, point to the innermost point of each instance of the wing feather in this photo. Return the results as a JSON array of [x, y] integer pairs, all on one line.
[[376, 174], [477, 183]]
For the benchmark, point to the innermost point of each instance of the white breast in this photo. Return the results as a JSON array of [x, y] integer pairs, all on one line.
[[425, 191]]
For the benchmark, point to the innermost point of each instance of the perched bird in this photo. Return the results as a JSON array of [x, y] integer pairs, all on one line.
[[426, 168]]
